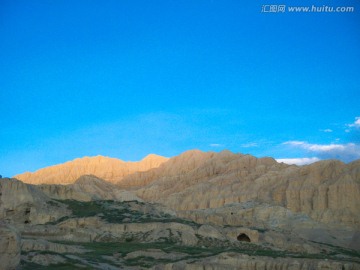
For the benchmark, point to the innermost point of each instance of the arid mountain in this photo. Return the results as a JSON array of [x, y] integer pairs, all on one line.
[[191, 211], [109, 169], [327, 191], [112, 234]]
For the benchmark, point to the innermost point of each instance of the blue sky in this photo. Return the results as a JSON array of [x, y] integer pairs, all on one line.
[[129, 78]]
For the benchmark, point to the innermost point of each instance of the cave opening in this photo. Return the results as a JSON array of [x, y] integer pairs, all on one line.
[[242, 237]]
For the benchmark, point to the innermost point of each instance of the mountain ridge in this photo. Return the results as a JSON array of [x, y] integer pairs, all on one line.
[[328, 191], [107, 168]]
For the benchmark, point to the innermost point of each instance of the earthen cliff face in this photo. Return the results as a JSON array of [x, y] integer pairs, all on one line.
[[26, 204], [328, 191], [9, 247]]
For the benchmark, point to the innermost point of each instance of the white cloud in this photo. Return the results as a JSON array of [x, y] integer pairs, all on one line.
[[346, 152], [298, 161], [248, 145], [316, 147], [328, 130], [324, 147], [356, 123]]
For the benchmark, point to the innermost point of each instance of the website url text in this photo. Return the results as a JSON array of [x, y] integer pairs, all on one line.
[[313, 8]]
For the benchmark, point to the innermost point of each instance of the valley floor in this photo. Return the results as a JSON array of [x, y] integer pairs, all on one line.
[[135, 235]]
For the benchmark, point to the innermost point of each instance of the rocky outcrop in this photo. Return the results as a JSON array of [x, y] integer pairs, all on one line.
[[26, 204], [267, 224], [88, 188], [250, 214], [94, 229], [9, 247], [110, 169]]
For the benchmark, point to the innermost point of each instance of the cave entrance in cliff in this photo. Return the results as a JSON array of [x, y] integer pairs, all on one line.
[[242, 237]]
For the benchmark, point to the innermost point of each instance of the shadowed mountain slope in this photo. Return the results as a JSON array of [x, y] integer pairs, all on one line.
[[87, 188]]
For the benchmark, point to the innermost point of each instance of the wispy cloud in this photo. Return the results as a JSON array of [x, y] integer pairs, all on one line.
[[248, 145], [216, 145], [346, 152], [328, 130], [298, 161], [316, 147]]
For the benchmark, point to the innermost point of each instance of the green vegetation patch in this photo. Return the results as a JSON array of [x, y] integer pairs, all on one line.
[[60, 266], [119, 212], [98, 250], [337, 250]]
